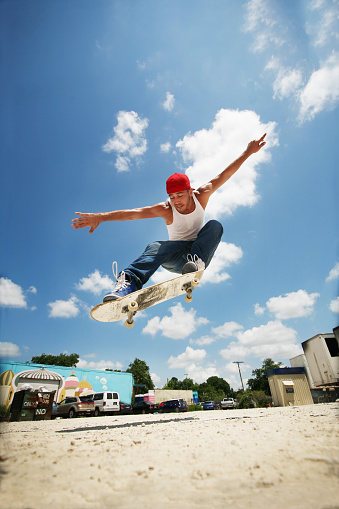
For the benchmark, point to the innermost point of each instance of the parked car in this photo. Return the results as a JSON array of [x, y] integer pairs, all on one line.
[[229, 403], [125, 408], [208, 405], [106, 402], [173, 405], [76, 405], [144, 407], [54, 413]]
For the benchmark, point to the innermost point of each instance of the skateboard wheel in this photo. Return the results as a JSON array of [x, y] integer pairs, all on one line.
[[129, 325], [133, 306], [195, 282], [188, 298]]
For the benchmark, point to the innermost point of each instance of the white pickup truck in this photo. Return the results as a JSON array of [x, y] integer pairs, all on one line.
[[229, 403]]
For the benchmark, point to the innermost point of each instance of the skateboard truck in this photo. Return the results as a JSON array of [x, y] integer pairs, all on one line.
[[132, 309], [189, 287]]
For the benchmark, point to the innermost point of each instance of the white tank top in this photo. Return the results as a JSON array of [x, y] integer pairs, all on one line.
[[186, 226]]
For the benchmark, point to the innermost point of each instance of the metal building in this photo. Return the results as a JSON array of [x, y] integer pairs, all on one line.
[[289, 387]]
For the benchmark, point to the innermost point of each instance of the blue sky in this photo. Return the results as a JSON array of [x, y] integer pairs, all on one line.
[[101, 102]]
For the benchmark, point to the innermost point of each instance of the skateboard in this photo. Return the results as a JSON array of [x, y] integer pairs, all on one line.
[[128, 306]]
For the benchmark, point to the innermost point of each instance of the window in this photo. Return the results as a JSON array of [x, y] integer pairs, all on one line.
[[109, 395], [332, 345]]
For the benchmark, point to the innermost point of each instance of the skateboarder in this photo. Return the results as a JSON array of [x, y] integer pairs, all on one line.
[[191, 244]]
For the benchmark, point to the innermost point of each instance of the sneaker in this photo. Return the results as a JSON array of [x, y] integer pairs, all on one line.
[[193, 264], [123, 286]]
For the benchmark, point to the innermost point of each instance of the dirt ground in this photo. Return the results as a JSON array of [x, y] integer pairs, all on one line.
[[241, 459]]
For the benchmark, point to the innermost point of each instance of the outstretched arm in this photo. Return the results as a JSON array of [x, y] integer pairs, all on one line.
[[92, 220], [206, 190]]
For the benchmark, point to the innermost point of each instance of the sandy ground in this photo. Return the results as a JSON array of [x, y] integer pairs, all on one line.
[[257, 458]]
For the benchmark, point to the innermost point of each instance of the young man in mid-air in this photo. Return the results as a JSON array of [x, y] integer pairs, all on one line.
[[191, 244]]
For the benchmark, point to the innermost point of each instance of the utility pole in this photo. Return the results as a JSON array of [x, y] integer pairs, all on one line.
[[186, 375], [240, 362]]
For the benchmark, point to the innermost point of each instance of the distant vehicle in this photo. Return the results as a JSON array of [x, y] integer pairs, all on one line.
[[144, 407], [173, 405], [54, 410], [76, 405], [106, 402], [208, 405], [125, 408], [229, 403]]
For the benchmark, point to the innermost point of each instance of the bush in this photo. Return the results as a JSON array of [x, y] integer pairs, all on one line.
[[4, 412], [254, 399], [194, 408]]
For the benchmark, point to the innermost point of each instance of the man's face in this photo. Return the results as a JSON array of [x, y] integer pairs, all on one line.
[[181, 201]]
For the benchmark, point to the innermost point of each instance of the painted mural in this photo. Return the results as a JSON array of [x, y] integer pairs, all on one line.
[[64, 381]]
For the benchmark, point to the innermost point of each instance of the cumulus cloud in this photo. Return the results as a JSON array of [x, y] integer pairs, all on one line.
[[104, 364], [129, 141], [258, 310], [204, 340], [178, 325], [186, 358], [95, 283], [64, 308], [227, 330], [11, 294], [287, 80], [165, 147], [209, 151], [334, 305], [168, 104], [271, 340], [8, 349], [322, 90], [292, 305], [334, 273]]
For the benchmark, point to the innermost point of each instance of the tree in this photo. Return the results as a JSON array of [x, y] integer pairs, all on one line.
[[57, 360], [260, 380], [214, 389], [187, 384], [141, 375]]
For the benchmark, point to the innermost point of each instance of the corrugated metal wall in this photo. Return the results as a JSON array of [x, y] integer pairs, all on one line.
[[302, 393]]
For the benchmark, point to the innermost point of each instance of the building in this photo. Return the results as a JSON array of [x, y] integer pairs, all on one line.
[[289, 387], [65, 381]]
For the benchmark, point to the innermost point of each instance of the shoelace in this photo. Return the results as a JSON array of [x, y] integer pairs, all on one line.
[[121, 278], [195, 259]]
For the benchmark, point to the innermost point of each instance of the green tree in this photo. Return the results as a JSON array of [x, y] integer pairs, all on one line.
[[57, 360], [187, 384], [260, 380], [214, 389], [141, 375]]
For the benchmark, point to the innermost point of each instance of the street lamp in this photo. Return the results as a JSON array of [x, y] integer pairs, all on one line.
[[240, 362]]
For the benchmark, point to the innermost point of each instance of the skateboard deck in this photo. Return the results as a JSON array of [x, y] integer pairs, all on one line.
[[128, 306]]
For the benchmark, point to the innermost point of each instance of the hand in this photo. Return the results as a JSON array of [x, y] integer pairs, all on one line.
[[255, 145], [84, 220]]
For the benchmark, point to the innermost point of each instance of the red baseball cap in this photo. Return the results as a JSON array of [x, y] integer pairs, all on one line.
[[177, 182]]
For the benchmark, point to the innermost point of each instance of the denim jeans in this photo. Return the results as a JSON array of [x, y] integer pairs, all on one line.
[[172, 254]]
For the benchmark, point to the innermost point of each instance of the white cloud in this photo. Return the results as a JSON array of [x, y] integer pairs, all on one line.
[[200, 373], [258, 310], [95, 283], [292, 305], [165, 147], [179, 325], [99, 364], [227, 330], [334, 305], [186, 358], [262, 22], [168, 104], [211, 150], [324, 26], [155, 379], [334, 273], [9, 349], [225, 255], [322, 90], [204, 340], [64, 308], [129, 140], [11, 294], [273, 340]]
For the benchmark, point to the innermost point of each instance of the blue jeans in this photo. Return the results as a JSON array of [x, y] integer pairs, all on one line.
[[172, 254]]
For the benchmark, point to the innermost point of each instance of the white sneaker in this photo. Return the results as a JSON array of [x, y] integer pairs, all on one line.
[[193, 264]]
